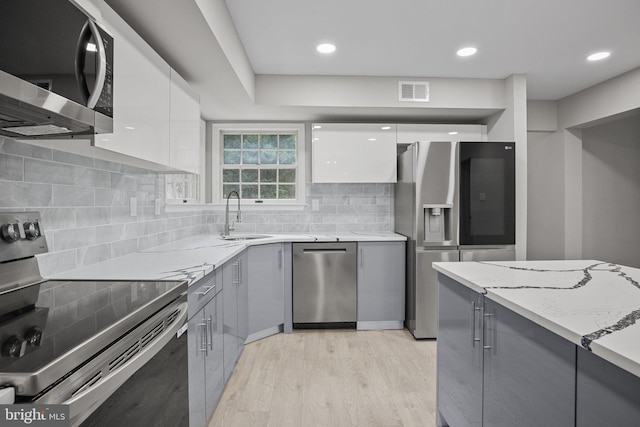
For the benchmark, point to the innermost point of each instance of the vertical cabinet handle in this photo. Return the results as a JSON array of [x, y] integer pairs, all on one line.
[[361, 257], [485, 320], [210, 327], [203, 337], [236, 273], [280, 258], [474, 313]]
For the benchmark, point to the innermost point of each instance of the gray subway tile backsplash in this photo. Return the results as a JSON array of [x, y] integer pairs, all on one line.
[[11, 167], [84, 203]]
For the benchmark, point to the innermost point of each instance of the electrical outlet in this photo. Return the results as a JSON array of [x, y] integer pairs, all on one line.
[[315, 204]]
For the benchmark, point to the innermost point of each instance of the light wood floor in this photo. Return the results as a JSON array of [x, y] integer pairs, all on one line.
[[334, 379]]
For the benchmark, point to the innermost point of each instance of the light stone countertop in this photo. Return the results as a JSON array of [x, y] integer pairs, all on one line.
[[594, 304], [194, 257]]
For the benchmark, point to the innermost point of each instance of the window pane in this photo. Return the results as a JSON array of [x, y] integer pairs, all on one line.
[[231, 141], [287, 192], [287, 175], [231, 157], [268, 191], [231, 175], [250, 157], [268, 175], [287, 157], [269, 142], [226, 188], [250, 142], [268, 157], [287, 142], [250, 175], [250, 191]]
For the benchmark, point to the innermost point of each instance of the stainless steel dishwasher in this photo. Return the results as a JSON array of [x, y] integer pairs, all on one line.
[[324, 285]]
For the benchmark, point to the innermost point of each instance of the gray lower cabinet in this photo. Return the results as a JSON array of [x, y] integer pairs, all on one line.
[[606, 395], [205, 349], [266, 280], [498, 369], [381, 285], [529, 372], [459, 357], [236, 308]]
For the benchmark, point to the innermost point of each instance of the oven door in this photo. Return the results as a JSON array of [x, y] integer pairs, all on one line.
[[136, 381]]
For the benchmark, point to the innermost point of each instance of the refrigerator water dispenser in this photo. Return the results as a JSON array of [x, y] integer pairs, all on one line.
[[437, 223]]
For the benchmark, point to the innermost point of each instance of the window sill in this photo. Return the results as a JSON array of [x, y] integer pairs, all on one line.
[[190, 207]]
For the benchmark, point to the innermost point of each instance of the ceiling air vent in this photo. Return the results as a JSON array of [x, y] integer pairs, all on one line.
[[413, 91]]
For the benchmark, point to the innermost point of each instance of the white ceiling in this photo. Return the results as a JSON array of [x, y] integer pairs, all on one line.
[[548, 40]]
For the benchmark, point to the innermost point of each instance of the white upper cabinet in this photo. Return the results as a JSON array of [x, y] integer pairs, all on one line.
[[410, 133], [185, 126], [142, 88], [350, 152]]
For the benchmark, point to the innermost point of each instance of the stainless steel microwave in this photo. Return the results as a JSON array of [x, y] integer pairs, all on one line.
[[56, 71]]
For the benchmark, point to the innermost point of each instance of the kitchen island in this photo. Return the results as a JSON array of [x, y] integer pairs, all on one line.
[[539, 343]]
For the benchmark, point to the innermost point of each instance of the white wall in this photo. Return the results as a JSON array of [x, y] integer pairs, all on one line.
[[611, 192], [545, 196], [580, 166]]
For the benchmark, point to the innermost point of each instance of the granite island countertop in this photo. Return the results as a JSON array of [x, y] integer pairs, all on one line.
[[594, 304], [194, 257]]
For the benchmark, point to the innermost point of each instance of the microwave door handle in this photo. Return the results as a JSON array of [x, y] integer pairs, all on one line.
[[90, 97]]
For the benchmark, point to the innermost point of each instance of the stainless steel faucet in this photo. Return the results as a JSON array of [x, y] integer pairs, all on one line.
[[227, 227]]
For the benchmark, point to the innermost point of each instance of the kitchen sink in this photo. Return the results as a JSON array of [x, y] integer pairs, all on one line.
[[245, 236]]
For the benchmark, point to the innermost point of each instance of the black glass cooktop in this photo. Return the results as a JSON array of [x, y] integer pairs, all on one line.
[[56, 317]]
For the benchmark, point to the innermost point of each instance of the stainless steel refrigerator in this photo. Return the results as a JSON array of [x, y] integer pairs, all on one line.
[[454, 201]]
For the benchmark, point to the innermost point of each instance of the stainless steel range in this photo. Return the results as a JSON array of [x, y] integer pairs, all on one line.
[[79, 342]]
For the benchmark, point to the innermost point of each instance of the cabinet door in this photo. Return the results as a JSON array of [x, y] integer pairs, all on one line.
[[230, 317], [141, 111], [381, 282], [185, 126], [606, 395], [214, 366], [460, 358], [266, 288], [529, 372], [410, 133], [354, 152], [196, 343], [243, 300]]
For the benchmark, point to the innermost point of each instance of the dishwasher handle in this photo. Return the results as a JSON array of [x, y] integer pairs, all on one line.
[[324, 251]]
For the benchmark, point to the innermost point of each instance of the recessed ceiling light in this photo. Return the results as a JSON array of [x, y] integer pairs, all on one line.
[[372, 139], [129, 128], [326, 48], [317, 127], [385, 127], [453, 133], [598, 56], [467, 51]]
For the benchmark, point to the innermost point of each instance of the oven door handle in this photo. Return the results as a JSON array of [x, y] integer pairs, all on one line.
[[83, 404]]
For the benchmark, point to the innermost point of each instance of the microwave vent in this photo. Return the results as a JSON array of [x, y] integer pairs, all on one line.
[[413, 91]]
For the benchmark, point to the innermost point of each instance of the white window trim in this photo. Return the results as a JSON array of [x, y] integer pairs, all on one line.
[[216, 153]]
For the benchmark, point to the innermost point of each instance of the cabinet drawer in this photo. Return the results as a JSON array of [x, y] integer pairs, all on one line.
[[201, 292]]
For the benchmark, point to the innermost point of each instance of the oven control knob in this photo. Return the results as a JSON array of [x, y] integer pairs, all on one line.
[[9, 233], [14, 347], [31, 230], [33, 336]]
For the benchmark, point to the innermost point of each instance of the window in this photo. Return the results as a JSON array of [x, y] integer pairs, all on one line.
[[265, 165]]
